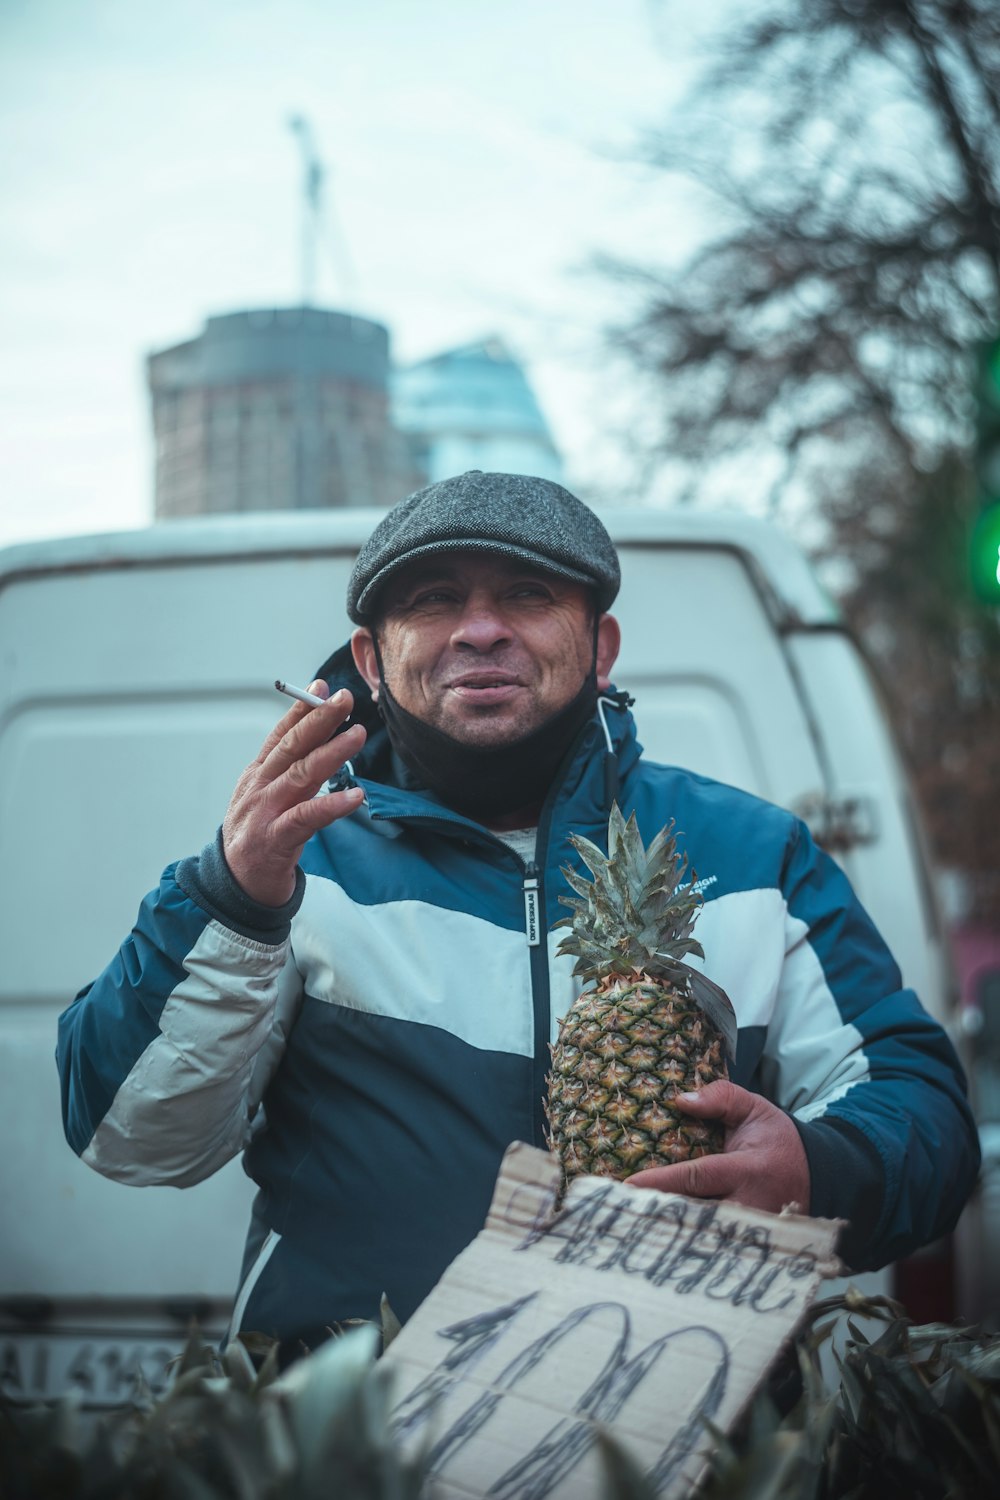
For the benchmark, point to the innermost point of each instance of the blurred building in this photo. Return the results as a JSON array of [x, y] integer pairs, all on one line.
[[276, 409], [296, 408], [472, 408]]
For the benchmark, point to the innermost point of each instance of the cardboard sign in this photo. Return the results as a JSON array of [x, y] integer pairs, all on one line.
[[640, 1312]]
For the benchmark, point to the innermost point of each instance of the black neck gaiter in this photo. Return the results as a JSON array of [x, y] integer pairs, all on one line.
[[483, 782]]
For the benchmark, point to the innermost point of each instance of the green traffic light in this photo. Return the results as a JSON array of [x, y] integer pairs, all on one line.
[[986, 555]]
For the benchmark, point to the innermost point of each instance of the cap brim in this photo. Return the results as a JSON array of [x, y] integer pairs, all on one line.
[[365, 606]]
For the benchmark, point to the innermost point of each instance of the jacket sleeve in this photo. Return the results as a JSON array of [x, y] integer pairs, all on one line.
[[871, 1080], [164, 1058]]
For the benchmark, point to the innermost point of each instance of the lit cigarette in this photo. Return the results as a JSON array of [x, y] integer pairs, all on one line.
[[299, 693]]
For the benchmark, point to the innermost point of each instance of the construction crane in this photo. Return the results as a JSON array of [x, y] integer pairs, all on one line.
[[313, 219], [312, 196]]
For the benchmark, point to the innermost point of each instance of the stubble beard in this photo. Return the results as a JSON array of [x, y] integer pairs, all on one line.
[[488, 728]]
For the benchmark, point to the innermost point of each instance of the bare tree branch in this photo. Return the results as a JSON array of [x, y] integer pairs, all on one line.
[[982, 198], [847, 154]]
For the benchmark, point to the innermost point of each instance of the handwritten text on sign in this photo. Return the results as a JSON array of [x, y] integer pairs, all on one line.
[[638, 1311]]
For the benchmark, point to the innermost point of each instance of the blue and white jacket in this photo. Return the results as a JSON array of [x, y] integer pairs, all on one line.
[[373, 1047]]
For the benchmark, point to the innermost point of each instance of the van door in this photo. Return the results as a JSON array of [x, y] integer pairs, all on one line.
[[132, 695], [709, 673]]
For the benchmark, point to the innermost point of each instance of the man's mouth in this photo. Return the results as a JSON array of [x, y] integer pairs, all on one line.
[[485, 687], [485, 679]]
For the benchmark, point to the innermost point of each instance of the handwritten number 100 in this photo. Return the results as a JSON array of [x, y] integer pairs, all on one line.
[[562, 1447]]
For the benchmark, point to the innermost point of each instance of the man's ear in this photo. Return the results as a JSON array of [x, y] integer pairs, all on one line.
[[363, 651], [609, 639]]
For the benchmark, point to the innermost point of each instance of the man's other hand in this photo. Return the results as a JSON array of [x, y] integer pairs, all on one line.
[[275, 810], [763, 1163]]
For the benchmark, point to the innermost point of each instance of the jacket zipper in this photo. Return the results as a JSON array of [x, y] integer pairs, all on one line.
[[538, 961], [533, 890], [532, 907]]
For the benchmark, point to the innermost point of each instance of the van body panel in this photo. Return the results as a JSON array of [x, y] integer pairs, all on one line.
[[888, 864], [136, 682]]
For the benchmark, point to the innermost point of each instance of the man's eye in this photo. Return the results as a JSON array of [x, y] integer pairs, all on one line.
[[433, 596]]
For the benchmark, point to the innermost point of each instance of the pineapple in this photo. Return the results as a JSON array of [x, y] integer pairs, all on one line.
[[637, 1037]]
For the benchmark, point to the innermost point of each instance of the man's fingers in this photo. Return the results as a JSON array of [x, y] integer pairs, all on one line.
[[299, 823], [764, 1164], [304, 777], [263, 862], [290, 718], [720, 1100], [304, 729], [266, 802], [275, 808], [704, 1177]]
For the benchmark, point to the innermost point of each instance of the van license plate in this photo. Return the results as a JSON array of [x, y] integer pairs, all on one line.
[[44, 1366]]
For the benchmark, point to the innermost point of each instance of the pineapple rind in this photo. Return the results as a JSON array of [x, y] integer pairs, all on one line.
[[635, 1039], [624, 1051]]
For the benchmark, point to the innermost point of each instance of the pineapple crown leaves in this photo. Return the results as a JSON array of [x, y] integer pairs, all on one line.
[[637, 913]]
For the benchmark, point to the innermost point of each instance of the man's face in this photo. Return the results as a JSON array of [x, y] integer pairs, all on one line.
[[485, 648]]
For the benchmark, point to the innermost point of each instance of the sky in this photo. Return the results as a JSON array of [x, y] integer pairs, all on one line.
[[476, 160]]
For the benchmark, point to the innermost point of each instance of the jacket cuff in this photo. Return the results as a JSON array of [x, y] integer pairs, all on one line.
[[208, 880], [847, 1181]]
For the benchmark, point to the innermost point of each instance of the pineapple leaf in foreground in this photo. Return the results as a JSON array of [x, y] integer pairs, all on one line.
[[918, 1422]]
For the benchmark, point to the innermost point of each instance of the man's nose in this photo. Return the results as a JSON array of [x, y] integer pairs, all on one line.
[[481, 626]]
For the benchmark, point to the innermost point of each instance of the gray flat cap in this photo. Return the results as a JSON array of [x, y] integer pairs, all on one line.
[[514, 515]]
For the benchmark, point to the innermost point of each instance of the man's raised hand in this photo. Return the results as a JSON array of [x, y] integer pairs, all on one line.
[[762, 1165], [275, 810]]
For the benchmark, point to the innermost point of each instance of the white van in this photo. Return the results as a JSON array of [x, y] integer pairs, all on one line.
[[136, 682]]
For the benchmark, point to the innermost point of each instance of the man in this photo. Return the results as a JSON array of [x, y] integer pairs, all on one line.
[[342, 986]]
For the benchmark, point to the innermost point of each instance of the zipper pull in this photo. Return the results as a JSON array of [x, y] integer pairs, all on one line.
[[532, 925]]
